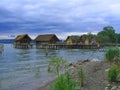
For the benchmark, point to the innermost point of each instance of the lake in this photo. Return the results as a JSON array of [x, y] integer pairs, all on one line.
[[26, 69]]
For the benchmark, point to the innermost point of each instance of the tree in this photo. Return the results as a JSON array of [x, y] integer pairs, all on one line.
[[118, 38], [108, 35], [90, 35]]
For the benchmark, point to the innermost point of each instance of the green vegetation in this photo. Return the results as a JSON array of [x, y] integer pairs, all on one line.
[[56, 64], [37, 71], [113, 55], [113, 74], [81, 77], [64, 82], [108, 35]]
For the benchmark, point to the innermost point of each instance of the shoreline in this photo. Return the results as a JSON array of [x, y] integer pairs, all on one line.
[[95, 74]]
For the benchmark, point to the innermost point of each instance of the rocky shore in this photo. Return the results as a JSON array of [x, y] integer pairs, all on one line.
[[95, 76]]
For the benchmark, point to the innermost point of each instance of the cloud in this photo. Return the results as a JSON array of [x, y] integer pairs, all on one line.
[[58, 16], [95, 20]]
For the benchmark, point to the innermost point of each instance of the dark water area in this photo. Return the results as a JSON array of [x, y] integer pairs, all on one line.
[[26, 69]]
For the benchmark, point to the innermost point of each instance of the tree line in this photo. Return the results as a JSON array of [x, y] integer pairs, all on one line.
[[107, 35]]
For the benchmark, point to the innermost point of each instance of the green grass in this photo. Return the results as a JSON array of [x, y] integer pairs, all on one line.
[[55, 65], [64, 82], [113, 55], [37, 71], [81, 77], [113, 74]]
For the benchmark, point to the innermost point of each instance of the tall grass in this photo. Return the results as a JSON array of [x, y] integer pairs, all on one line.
[[113, 55], [113, 74], [64, 82], [56, 64], [81, 77]]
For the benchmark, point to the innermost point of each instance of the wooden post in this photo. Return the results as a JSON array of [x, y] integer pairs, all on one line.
[[46, 51]]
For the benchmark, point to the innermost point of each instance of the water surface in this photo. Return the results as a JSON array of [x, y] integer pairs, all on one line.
[[26, 69]]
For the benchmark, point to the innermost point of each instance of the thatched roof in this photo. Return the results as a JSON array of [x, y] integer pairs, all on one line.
[[22, 36], [84, 37], [46, 37], [73, 38]]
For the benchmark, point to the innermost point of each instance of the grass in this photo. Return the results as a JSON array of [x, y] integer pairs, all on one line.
[[113, 74], [81, 77], [113, 55], [56, 64], [64, 82], [37, 71]]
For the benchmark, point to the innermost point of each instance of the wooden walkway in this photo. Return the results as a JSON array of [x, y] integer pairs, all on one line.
[[23, 46], [65, 46]]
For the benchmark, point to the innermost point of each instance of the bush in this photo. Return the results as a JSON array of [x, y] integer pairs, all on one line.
[[113, 74], [113, 55]]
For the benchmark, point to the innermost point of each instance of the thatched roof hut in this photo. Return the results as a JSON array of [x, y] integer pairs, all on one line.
[[72, 40], [46, 39], [22, 37], [22, 40], [88, 40]]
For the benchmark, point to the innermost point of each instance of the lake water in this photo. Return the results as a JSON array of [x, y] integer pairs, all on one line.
[[26, 69]]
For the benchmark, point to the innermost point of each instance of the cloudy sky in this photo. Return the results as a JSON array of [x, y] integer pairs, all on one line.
[[62, 17]]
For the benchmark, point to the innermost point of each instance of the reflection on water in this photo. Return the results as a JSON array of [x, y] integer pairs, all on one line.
[[26, 69]]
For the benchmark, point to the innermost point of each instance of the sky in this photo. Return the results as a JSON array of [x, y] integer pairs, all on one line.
[[60, 17]]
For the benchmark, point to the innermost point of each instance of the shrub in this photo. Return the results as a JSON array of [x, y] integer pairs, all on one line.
[[113, 74], [113, 55]]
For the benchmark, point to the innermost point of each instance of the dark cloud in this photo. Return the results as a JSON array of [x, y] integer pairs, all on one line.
[[62, 17]]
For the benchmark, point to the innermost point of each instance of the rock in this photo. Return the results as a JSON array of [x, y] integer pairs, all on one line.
[[71, 64], [114, 88], [108, 85], [106, 88], [85, 61], [106, 70]]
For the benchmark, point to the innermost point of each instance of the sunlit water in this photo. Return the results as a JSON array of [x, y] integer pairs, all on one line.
[[26, 69]]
